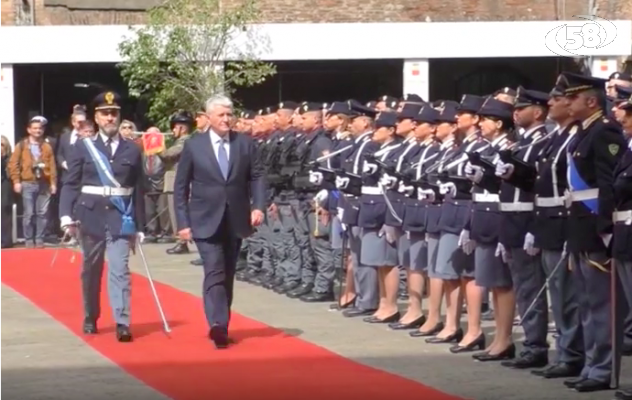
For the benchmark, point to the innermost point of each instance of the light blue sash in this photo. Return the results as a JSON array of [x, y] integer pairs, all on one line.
[[128, 227], [577, 183]]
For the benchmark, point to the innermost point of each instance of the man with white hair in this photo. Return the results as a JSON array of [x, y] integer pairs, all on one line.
[[213, 206]]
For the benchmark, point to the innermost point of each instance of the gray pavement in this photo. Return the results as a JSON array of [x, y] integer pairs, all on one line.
[[42, 360]]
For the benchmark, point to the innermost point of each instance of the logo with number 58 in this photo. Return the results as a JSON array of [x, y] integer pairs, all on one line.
[[579, 39]]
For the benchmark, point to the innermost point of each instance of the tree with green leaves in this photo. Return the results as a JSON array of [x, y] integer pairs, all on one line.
[[190, 50]]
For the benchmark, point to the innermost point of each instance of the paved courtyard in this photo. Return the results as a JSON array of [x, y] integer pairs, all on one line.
[[43, 360]]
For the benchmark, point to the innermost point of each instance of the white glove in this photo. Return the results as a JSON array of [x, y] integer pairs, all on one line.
[[321, 196], [428, 194], [465, 243], [504, 170], [529, 247], [315, 178], [502, 252], [369, 168], [343, 226], [564, 250], [473, 172], [64, 165], [606, 239], [388, 181], [406, 190], [448, 189], [140, 237], [342, 182], [65, 221], [389, 232]]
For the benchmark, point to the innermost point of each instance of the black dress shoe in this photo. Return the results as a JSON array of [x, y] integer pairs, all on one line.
[[339, 307], [416, 324], [272, 283], [527, 360], [476, 344], [123, 334], [571, 383], [623, 394], [455, 337], [197, 262], [356, 312], [90, 327], [300, 291], [286, 287], [508, 353], [591, 385], [560, 370], [432, 332], [179, 248], [318, 297], [627, 350], [219, 336], [375, 320], [262, 279]]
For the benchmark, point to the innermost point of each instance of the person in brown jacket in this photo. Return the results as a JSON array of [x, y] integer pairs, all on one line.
[[34, 175]]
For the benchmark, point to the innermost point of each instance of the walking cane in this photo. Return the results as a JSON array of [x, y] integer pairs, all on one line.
[[165, 324]]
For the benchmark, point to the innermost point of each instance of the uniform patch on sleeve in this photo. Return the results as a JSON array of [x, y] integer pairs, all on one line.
[[613, 149]]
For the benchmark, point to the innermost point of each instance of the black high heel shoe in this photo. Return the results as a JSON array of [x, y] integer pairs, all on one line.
[[507, 354], [375, 320], [476, 344], [437, 328], [455, 337], [416, 324], [338, 306]]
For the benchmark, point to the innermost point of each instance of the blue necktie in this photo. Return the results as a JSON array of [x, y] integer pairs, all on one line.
[[222, 159]]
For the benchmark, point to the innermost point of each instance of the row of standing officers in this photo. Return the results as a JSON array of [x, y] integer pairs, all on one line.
[[508, 194]]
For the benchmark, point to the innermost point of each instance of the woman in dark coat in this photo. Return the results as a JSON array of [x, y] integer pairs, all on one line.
[[7, 198]]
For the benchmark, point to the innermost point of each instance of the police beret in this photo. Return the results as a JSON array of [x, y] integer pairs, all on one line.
[[409, 111], [412, 98], [247, 114], [526, 98], [371, 104], [107, 101], [623, 93], [267, 110], [388, 99], [427, 114], [288, 105], [447, 112], [338, 107], [506, 90], [576, 83], [622, 76], [386, 119], [360, 109], [309, 106], [470, 103], [496, 109]]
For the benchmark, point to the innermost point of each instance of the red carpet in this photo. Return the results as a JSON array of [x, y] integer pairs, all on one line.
[[264, 363]]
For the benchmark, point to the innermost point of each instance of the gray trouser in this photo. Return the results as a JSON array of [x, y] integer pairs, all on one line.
[[286, 250], [364, 277], [321, 249], [623, 309], [565, 305], [259, 257], [94, 250], [528, 278], [35, 200], [594, 307], [307, 265], [157, 214], [336, 241]]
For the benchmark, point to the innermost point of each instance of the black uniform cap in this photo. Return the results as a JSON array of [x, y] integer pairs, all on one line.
[[576, 83], [386, 119], [526, 98], [107, 101], [496, 109]]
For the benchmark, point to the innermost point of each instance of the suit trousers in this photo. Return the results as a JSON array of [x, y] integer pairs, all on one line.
[[219, 256]]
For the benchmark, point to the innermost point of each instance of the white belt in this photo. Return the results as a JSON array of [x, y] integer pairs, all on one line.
[[550, 201], [518, 206], [622, 216], [376, 190], [107, 191], [583, 195], [485, 198]]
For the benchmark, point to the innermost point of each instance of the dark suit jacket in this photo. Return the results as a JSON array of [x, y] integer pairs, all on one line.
[[95, 212], [202, 195]]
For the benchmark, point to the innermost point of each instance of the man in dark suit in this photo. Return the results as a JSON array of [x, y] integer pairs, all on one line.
[[103, 192], [218, 174]]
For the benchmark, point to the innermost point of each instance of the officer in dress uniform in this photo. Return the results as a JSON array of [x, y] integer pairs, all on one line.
[[616, 79], [550, 231], [412, 248], [593, 154], [490, 270], [516, 236], [349, 181], [102, 201]]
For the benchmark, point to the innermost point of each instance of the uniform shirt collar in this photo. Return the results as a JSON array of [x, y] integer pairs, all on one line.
[[217, 139], [105, 138]]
